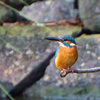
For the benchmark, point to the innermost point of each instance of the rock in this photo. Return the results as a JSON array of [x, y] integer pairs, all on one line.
[[29, 52], [46, 78], [89, 11], [6, 14], [58, 10], [17, 63]]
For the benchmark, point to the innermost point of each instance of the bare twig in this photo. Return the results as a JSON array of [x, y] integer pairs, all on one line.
[[90, 70]]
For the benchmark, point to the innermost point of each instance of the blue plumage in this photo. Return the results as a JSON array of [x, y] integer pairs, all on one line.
[[66, 54], [66, 44], [57, 51], [67, 38]]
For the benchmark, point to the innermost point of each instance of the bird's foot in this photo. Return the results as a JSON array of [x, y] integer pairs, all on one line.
[[65, 70], [71, 69], [63, 73]]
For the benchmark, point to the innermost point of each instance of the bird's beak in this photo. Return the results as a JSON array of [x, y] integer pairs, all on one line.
[[54, 39]]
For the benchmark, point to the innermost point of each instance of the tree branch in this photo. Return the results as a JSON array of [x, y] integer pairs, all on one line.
[[90, 70]]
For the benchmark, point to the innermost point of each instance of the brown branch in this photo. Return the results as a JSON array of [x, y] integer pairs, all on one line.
[[90, 70]]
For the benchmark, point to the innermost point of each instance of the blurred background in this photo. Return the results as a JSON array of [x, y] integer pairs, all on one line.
[[23, 26]]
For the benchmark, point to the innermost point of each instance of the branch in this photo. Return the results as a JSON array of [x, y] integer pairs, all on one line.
[[91, 70]]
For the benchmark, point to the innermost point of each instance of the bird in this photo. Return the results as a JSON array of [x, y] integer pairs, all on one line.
[[66, 53]]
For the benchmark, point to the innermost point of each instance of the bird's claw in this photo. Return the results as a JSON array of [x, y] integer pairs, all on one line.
[[71, 69], [63, 73]]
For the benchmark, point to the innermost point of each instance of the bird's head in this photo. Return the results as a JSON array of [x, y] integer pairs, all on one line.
[[64, 40]]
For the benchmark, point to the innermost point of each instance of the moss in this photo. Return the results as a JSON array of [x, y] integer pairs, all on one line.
[[57, 91], [76, 91], [30, 30]]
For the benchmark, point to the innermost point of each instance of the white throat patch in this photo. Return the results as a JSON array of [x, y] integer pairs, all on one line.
[[61, 44], [72, 44]]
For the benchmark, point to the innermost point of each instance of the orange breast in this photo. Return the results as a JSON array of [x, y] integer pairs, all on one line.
[[66, 57]]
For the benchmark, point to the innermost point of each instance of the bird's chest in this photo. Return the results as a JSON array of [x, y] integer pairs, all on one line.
[[66, 57]]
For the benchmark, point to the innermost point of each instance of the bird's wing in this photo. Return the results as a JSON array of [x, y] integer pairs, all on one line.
[[57, 51]]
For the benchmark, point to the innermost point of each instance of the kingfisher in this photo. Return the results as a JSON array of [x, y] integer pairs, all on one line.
[[66, 53]]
